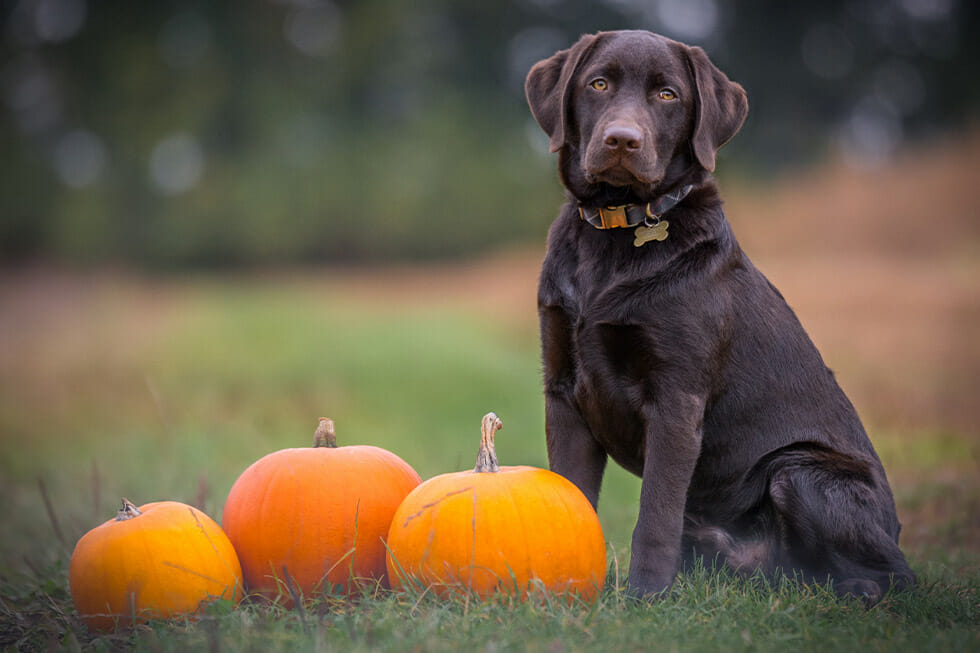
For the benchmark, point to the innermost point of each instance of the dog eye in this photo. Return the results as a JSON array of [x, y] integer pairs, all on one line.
[[667, 94], [599, 84]]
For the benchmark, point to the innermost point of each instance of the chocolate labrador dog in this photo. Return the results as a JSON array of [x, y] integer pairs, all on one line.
[[667, 350]]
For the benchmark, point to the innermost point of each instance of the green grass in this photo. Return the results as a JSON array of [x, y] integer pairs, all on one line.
[[168, 391], [703, 612]]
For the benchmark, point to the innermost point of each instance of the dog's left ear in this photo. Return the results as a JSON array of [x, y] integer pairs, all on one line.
[[721, 108], [547, 89]]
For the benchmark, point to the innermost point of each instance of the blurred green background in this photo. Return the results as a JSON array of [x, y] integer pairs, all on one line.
[[168, 135], [221, 220]]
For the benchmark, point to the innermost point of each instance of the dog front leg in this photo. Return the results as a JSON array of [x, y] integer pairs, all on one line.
[[573, 452], [673, 442]]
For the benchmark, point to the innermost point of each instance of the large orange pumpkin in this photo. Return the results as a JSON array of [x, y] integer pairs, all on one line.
[[305, 519], [497, 529], [160, 560]]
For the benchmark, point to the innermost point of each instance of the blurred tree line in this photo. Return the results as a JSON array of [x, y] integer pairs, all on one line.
[[197, 134]]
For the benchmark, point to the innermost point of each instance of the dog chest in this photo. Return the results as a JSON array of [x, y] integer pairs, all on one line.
[[612, 386]]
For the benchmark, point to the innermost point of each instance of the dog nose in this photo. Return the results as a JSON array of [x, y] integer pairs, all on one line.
[[622, 137]]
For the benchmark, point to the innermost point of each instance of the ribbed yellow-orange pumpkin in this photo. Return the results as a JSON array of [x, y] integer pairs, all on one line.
[[516, 530], [160, 560], [306, 519]]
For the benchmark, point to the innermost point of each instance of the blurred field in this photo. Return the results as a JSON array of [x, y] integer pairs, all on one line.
[[117, 385]]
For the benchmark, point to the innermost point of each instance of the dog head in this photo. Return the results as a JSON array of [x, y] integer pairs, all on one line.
[[630, 112]]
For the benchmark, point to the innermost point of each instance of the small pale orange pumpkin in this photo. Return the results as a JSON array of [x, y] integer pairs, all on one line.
[[305, 519], [515, 530], [160, 560]]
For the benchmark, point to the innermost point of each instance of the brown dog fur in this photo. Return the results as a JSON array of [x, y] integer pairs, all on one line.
[[678, 358]]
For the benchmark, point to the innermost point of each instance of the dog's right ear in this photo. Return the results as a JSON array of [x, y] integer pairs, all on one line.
[[547, 89]]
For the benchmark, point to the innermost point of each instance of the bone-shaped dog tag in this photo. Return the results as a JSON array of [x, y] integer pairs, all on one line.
[[645, 234]]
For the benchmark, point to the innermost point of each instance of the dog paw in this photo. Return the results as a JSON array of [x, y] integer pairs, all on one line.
[[647, 592], [862, 589], [640, 596]]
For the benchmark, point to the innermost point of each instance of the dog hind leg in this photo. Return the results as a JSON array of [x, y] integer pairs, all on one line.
[[838, 523]]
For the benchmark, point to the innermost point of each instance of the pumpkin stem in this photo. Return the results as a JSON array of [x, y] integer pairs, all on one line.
[[128, 511], [325, 436], [486, 459]]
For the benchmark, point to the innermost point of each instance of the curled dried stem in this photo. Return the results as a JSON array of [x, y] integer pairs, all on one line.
[[486, 459], [325, 436]]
